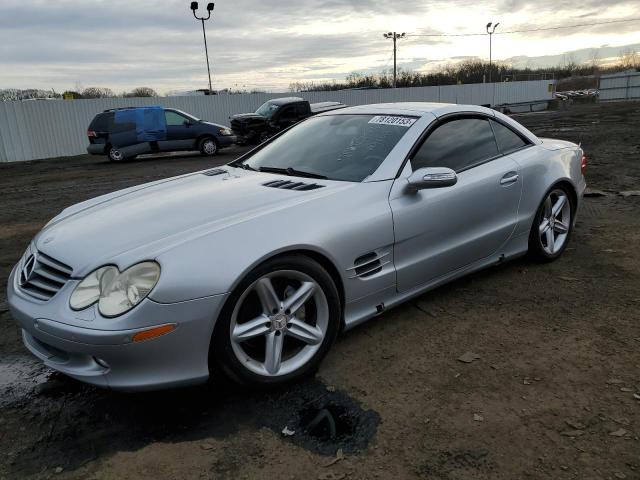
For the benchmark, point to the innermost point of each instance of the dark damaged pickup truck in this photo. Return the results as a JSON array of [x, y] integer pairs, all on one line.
[[276, 115]]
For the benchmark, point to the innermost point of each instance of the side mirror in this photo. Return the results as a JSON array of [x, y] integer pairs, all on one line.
[[187, 123], [432, 177]]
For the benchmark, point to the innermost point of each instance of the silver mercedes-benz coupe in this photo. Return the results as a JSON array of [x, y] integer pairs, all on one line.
[[252, 269]]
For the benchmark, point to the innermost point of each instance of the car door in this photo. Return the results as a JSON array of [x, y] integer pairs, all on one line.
[[440, 230], [287, 116], [180, 132]]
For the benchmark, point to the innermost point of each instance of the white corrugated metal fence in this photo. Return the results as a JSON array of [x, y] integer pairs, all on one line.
[[619, 86], [57, 128]]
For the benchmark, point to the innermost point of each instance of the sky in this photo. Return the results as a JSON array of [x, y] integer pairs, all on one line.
[[257, 44]]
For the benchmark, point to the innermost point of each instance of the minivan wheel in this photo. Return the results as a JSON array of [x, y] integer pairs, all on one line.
[[115, 155], [208, 146], [278, 323]]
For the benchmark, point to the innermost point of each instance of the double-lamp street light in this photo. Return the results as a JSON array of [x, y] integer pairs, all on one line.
[[194, 7]]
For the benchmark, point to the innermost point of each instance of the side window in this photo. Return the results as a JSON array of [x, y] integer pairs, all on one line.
[[174, 119], [507, 139], [303, 109], [288, 113], [457, 144]]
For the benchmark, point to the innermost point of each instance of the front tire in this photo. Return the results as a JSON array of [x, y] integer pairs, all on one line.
[[552, 225], [278, 324], [208, 146]]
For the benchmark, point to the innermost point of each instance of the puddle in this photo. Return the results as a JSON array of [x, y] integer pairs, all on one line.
[[66, 423], [324, 421]]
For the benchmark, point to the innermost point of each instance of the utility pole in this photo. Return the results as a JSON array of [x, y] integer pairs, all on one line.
[[194, 7], [491, 32], [394, 36]]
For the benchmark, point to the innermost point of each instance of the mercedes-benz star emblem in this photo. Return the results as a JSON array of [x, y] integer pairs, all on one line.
[[28, 269]]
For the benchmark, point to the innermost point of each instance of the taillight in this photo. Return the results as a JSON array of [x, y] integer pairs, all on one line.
[[91, 133], [583, 164]]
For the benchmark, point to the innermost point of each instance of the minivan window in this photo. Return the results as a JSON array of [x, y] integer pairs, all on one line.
[[507, 139], [174, 119], [101, 122], [458, 144]]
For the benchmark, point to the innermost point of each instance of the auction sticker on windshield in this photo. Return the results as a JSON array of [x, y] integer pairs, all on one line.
[[393, 120]]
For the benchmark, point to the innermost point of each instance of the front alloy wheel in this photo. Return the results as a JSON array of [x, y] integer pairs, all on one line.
[[283, 320]]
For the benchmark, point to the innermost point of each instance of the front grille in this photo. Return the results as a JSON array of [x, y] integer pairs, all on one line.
[[41, 276]]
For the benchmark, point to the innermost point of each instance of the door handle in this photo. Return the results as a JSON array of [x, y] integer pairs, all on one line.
[[509, 178]]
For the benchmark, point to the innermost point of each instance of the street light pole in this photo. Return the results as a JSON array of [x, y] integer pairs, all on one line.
[[194, 7], [491, 32], [394, 36]]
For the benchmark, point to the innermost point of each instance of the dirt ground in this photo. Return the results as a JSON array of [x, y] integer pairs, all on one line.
[[553, 394]]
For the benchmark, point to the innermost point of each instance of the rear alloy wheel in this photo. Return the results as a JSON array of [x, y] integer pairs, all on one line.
[[208, 146], [552, 227], [115, 155], [279, 323]]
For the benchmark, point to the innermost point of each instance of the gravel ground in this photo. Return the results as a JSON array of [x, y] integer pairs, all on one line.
[[549, 393]]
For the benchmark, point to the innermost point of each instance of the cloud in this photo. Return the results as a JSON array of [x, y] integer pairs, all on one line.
[[122, 44]]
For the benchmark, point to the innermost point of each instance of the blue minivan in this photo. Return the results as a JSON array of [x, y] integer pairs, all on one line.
[[124, 133]]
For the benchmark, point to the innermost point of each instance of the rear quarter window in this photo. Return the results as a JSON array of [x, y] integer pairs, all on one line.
[[508, 140]]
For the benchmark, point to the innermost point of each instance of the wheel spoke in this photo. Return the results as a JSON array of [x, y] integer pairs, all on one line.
[[547, 207], [304, 332], [251, 329], [273, 352], [560, 227], [544, 226], [293, 303], [267, 295], [550, 240], [557, 207]]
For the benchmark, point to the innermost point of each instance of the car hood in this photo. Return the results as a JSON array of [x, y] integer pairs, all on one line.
[[211, 124], [142, 222], [248, 116]]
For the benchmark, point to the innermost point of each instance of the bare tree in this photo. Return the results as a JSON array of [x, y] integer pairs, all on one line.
[[97, 92], [594, 58], [142, 92], [629, 58]]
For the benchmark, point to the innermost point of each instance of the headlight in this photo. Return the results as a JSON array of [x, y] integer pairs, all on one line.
[[115, 292], [225, 131]]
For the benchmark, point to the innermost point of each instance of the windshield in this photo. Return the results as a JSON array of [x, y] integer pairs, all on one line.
[[338, 147], [267, 109]]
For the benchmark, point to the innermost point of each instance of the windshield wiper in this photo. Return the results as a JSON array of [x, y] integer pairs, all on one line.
[[292, 172], [245, 166]]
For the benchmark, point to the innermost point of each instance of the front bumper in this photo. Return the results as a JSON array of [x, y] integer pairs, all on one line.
[[100, 351], [226, 140]]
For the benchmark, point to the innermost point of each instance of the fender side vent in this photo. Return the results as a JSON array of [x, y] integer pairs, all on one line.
[[289, 185], [368, 264], [213, 172]]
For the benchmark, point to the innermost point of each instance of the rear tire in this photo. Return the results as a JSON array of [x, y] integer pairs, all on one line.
[[115, 154], [552, 225], [208, 146], [278, 323]]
